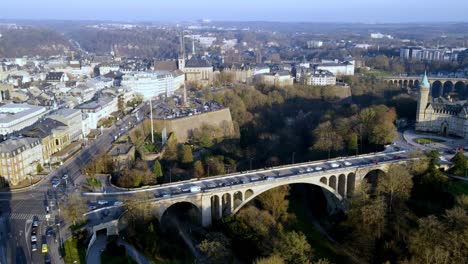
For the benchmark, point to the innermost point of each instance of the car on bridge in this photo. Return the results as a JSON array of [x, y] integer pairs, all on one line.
[[318, 168], [309, 169], [335, 165], [347, 163]]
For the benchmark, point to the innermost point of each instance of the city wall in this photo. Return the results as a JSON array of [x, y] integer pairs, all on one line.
[[182, 127]]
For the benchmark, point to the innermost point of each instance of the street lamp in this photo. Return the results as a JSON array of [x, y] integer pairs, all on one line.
[[294, 153]]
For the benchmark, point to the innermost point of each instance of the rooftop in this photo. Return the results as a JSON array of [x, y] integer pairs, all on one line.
[[11, 112], [13, 144]]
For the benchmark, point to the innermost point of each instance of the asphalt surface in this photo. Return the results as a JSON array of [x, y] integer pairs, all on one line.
[[17, 209]]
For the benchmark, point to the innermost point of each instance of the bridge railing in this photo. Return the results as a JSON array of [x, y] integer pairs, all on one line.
[[246, 173]]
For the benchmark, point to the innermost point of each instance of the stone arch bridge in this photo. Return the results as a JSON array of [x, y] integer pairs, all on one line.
[[216, 203], [439, 85]]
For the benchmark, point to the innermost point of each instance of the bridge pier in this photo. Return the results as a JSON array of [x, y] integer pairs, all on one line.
[[206, 211]]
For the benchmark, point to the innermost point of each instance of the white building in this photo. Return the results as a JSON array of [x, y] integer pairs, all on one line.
[[152, 84], [318, 78], [19, 158], [108, 67], [344, 68], [97, 110], [14, 117], [314, 44]]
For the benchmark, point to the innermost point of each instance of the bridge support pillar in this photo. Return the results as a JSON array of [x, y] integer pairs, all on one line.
[[206, 211]]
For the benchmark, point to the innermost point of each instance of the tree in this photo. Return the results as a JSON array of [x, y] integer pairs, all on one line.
[[198, 170], [273, 259], [396, 184], [216, 246], [326, 138], [294, 248], [157, 171], [185, 154], [459, 164], [275, 201], [434, 158], [383, 133], [353, 143], [39, 168], [170, 152], [74, 209]]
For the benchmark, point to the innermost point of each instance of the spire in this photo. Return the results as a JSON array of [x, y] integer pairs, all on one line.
[[425, 82], [182, 45]]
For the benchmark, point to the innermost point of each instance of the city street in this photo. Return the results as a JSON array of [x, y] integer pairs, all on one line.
[[20, 207]]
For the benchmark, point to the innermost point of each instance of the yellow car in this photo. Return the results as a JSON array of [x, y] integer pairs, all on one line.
[[44, 248]]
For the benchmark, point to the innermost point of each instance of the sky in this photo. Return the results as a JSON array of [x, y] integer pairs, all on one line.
[[359, 11]]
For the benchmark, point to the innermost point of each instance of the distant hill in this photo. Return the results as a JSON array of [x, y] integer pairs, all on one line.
[[139, 42], [30, 41]]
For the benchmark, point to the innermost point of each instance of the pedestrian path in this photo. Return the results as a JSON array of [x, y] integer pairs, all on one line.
[[23, 216]]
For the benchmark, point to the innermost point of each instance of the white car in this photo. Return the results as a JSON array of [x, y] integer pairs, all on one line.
[[102, 202], [118, 203], [270, 178], [335, 165], [318, 168], [33, 238], [309, 169], [347, 163]]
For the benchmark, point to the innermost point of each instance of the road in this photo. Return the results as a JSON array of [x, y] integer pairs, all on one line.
[[17, 209], [167, 191]]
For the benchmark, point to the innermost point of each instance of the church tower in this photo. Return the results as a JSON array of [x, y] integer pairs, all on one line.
[[181, 59], [423, 98]]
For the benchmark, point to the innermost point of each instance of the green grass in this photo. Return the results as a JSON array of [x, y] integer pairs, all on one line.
[[107, 258], [94, 182], [427, 140], [457, 188], [71, 252]]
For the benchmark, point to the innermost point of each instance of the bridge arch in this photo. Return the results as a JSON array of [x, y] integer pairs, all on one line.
[[437, 89], [448, 88], [302, 181], [237, 197], [185, 210], [215, 207], [461, 89], [248, 194], [416, 83], [323, 180], [342, 185], [226, 204], [372, 178], [332, 182], [350, 184]]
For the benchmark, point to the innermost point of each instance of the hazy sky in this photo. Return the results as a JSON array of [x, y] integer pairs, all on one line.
[[369, 11]]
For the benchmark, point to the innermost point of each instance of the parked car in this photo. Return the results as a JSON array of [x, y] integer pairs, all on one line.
[[34, 246], [309, 169], [335, 165], [318, 168], [270, 178], [65, 176], [347, 163], [35, 221], [33, 238]]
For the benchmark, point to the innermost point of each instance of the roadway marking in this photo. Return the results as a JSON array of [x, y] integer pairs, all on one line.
[[24, 216]]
